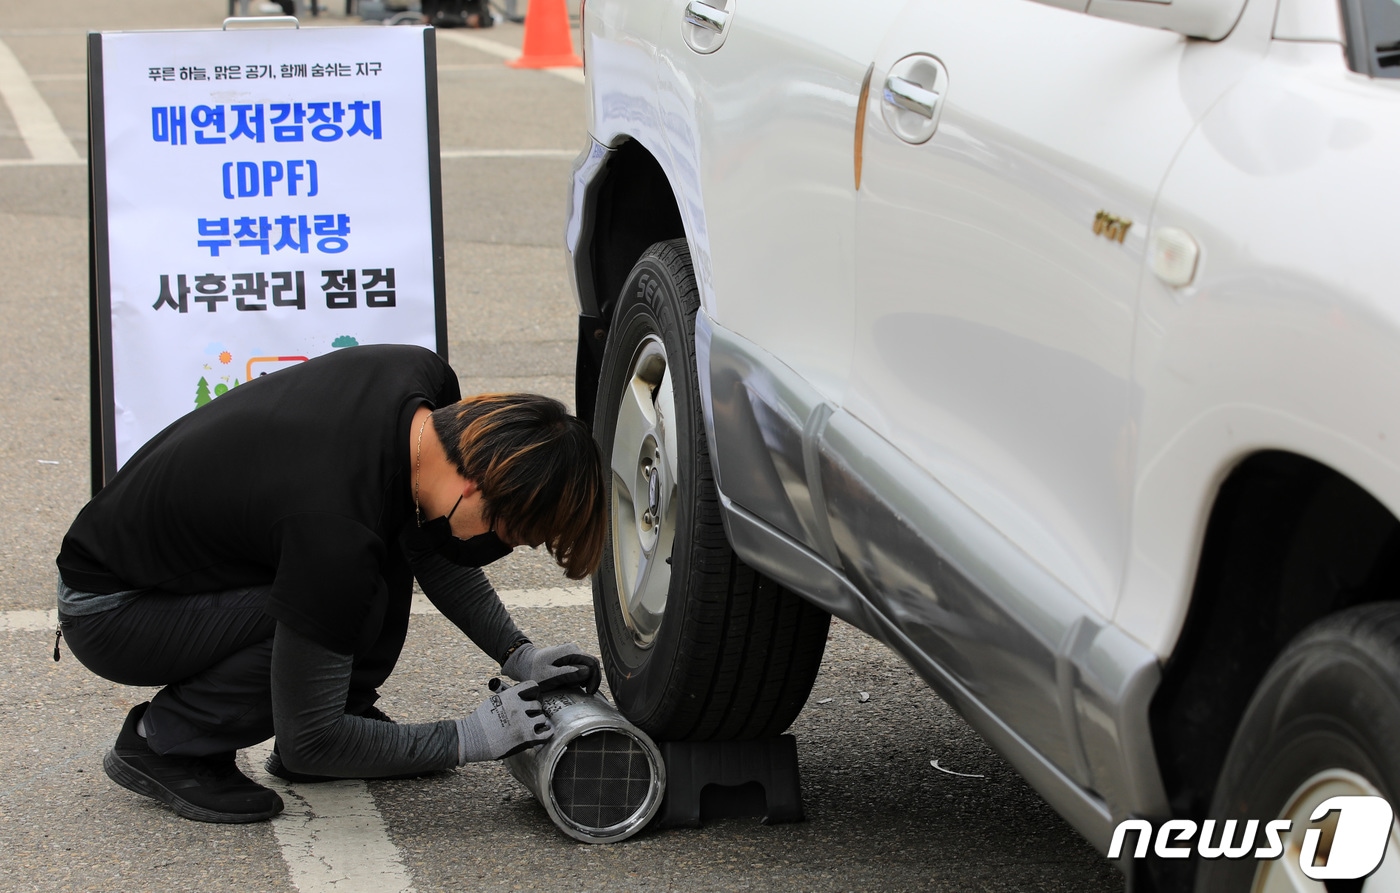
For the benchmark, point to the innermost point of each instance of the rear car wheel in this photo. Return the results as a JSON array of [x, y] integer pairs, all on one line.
[[697, 645], [1325, 722]]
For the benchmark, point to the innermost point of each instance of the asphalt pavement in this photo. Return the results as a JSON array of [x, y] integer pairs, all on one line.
[[879, 815]]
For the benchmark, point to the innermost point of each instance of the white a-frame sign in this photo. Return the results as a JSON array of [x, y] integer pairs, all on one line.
[[258, 197]]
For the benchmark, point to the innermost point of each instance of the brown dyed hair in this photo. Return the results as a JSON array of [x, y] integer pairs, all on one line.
[[539, 470]]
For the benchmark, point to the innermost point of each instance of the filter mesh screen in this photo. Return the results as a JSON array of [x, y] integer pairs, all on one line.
[[601, 780]]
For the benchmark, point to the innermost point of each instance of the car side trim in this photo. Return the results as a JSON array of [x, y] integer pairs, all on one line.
[[578, 227], [892, 552], [1074, 688], [1115, 679], [766, 409], [811, 455], [773, 553]]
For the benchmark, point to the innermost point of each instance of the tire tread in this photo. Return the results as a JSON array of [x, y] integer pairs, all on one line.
[[749, 650]]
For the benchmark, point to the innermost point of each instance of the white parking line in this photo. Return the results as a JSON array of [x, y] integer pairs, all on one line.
[[48, 145], [509, 153], [524, 598], [500, 50], [47, 142], [446, 154], [45, 621], [35, 162], [28, 621], [332, 835]]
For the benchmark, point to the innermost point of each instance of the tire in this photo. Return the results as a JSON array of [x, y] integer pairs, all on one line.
[[696, 644], [1325, 721]]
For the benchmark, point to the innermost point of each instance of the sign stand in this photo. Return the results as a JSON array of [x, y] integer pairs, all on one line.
[[708, 780], [256, 197]]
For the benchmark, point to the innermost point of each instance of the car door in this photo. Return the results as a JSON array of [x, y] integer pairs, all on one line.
[[1011, 157], [759, 102]]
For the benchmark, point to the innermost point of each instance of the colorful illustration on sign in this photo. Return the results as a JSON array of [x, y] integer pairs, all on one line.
[[345, 341], [203, 393], [256, 367], [270, 364], [201, 390]]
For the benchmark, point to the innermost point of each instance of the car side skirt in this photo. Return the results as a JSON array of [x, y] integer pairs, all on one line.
[[817, 501]]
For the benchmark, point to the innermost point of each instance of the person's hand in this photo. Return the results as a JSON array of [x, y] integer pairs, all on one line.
[[507, 722], [554, 667]]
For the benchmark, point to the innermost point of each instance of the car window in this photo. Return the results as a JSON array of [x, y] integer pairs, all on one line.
[[1373, 36]]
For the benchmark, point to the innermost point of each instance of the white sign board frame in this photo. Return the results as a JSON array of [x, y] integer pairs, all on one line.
[[257, 197]]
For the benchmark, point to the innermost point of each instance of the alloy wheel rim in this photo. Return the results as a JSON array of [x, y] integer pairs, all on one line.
[[644, 488], [1284, 875]]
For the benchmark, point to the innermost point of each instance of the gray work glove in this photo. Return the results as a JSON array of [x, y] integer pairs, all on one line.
[[509, 721], [554, 667]]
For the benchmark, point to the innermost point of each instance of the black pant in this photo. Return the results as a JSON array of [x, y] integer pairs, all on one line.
[[213, 654]]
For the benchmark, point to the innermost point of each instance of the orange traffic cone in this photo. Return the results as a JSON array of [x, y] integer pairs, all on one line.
[[547, 41]]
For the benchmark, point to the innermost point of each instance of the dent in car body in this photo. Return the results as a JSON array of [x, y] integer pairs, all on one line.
[[992, 631]]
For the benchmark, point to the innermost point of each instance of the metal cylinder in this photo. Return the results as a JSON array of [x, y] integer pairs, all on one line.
[[600, 778]]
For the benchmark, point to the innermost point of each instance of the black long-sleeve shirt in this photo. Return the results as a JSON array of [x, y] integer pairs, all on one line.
[[313, 733], [301, 480]]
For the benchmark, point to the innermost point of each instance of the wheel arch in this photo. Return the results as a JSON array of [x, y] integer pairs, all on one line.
[[1289, 540], [627, 206]]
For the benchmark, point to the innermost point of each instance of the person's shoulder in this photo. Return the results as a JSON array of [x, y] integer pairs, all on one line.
[[387, 353], [388, 359], [388, 369]]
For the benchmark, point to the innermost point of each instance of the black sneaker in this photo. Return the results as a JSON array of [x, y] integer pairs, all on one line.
[[275, 766], [206, 789]]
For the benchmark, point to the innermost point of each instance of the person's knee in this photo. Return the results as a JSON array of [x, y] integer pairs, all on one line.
[[305, 750], [296, 760]]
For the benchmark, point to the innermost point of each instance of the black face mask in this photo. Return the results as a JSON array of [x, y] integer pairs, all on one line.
[[436, 536]]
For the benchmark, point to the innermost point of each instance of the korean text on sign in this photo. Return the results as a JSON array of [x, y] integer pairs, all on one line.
[[290, 122], [253, 292]]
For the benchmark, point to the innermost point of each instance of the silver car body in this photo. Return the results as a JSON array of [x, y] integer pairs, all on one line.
[[953, 392]]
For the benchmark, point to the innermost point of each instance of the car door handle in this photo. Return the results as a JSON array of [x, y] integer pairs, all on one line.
[[910, 96], [702, 15]]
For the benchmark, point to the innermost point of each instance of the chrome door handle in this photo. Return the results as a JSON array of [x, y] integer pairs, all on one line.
[[702, 15], [913, 99], [910, 96]]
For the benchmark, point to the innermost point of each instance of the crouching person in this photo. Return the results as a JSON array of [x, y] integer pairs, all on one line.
[[256, 558]]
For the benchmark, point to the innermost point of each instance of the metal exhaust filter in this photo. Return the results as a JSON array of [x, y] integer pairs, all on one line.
[[600, 778]]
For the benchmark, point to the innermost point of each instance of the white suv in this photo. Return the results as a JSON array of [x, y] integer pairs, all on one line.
[[1054, 343]]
